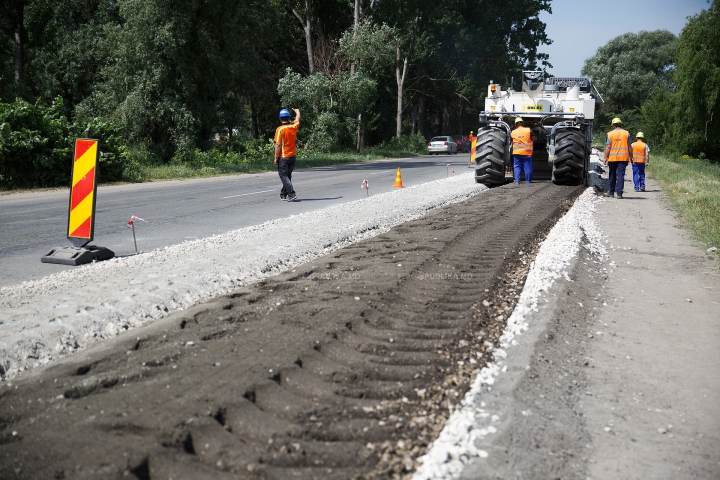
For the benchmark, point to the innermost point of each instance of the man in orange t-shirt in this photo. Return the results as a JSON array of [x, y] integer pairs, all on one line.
[[285, 151]]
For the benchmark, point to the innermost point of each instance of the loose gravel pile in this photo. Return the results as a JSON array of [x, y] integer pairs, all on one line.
[[45, 319]]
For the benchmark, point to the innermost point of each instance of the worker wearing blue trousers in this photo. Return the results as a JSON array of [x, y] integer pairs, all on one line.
[[522, 143], [640, 160], [617, 156]]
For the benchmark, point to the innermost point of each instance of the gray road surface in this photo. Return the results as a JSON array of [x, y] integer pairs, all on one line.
[[33, 223]]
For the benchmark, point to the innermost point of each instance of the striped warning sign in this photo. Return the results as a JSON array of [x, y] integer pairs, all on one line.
[[81, 214], [472, 148]]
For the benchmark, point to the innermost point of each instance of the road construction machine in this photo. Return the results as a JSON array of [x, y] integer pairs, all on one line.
[[560, 113]]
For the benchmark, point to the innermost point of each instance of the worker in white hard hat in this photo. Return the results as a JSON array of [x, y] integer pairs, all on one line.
[[522, 143], [617, 156], [640, 159]]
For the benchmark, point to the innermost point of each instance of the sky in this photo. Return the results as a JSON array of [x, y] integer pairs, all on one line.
[[579, 27]]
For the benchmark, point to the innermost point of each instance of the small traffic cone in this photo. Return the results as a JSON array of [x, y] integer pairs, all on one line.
[[398, 180]]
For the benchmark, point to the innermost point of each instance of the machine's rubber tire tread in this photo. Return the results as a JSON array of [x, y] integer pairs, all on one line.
[[489, 156], [569, 164]]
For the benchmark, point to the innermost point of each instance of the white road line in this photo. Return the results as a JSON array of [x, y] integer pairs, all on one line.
[[243, 194]]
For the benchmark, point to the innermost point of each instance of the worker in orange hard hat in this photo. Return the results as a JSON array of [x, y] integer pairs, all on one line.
[[640, 159], [522, 143], [617, 156]]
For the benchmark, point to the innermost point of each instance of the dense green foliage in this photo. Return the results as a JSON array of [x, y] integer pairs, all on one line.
[[36, 145], [668, 88], [174, 76], [628, 71]]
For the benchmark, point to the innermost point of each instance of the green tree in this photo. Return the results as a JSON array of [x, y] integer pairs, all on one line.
[[629, 69], [697, 102], [178, 70]]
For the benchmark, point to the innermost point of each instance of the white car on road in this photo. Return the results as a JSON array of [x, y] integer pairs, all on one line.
[[442, 145]]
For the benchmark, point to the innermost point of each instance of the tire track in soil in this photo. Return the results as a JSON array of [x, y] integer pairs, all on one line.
[[342, 368]]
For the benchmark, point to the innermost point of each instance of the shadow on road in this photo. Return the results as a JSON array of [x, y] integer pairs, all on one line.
[[316, 199]]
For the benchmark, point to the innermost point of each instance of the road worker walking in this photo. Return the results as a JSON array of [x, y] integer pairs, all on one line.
[[617, 156], [285, 152], [640, 160]]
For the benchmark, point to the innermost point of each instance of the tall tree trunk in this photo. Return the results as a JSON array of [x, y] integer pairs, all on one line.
[[421, 117], [254, 119], [360, 132], [307, 28], [414, 122], [353, 66], [19, 47], [445, 118], [400, 75], [460, 119], [401, 69]]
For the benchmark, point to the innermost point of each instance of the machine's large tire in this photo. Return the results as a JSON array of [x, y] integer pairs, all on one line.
[[570, 153], [489, 156]]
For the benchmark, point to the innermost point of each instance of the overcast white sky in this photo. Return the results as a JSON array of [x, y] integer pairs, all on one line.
[[579, 27]]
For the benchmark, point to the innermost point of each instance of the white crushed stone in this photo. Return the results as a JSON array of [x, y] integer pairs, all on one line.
[[48, 318], [455, 446]]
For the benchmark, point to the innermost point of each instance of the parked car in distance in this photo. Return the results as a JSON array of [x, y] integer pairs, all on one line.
[[440, 145], [462, 144]]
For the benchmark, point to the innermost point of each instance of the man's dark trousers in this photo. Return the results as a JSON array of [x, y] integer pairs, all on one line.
[[616, 180], [285, 169]]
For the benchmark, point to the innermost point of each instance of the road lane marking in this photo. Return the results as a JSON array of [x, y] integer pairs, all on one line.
[[243, 194]]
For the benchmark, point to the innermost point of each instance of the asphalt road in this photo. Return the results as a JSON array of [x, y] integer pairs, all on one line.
[[31, 224]]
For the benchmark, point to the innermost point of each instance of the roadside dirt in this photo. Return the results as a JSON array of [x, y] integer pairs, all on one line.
[[617, 377], [341, 368]]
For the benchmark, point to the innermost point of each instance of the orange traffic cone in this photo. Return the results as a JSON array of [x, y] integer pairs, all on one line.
[[398, 180]]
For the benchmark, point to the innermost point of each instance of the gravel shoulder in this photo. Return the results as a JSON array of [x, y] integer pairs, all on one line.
[[46, 319], [617, 376], [654, 412]]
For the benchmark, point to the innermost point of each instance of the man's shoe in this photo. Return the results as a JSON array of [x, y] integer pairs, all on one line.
[[642, 189], [291, 198], [283, 197], [637, 189], [619, 195]]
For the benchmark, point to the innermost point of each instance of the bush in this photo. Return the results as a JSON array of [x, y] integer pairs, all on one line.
[[329, 133], [406, 143], [36, 146]]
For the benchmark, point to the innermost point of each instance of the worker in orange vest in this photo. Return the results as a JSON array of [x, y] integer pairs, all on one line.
[[640, 160], [522, 140], [617, 156]]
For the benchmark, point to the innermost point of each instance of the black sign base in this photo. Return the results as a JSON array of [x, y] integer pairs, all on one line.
[[77, 255]]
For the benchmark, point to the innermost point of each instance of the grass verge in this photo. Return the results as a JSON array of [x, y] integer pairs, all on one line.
[[693, 187], [304, 160]]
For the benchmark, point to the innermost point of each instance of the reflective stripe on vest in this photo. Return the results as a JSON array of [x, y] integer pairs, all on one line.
[[619, 145], [639, 148], [522, 141]]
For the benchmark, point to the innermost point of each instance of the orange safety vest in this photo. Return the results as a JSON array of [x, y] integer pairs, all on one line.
[[619, 145], [639, 152], [522, 141]]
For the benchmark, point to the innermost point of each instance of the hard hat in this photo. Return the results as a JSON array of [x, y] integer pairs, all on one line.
[[284, 113], [639, 135], [616, 120], [518, 120]]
